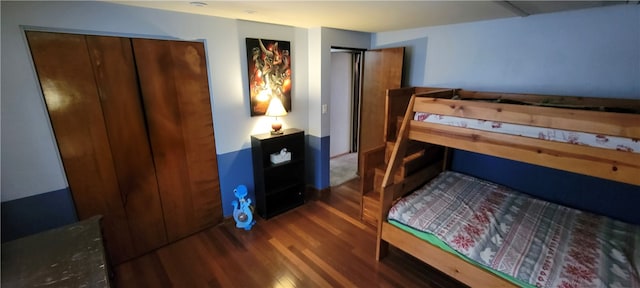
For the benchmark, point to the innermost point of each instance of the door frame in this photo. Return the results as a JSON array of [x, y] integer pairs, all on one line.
[[357, 56]]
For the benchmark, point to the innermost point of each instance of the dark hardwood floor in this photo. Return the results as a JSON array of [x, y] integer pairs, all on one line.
[[320, 244]]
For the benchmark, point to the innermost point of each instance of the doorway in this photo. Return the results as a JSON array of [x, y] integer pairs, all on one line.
[[346, 79], [367, 93]]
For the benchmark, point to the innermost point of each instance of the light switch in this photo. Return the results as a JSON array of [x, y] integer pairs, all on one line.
[[324, 108]]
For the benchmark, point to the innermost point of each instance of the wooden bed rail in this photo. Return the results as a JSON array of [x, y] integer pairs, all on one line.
[[615, 165], [607, 123], [442, 260], [575, 102], [608, 164]]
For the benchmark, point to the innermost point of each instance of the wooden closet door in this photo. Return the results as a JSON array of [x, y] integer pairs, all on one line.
[[92, 98], [116, 77], [174, 82], [66, 77]]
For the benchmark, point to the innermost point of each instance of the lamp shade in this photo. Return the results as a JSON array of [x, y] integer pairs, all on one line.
[[275, 109]]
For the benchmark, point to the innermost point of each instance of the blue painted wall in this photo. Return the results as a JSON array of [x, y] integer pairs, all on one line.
[[318, 162], [589, 52], [615, 199], [235, 168], [29, 215]]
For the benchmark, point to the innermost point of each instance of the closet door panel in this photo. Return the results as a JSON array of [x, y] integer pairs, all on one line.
[[116, 77], [174, 83], [193, 95], [64, 69]]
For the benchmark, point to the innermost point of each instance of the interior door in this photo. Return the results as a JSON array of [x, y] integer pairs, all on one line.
[[382, 71]]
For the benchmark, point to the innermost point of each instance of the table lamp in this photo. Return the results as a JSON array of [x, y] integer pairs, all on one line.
[[276, 109]]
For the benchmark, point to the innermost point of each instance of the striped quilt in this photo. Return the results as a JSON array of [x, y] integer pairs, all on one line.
[[538, 242]]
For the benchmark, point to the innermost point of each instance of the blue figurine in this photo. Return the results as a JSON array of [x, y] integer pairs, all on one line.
[[242, 210]]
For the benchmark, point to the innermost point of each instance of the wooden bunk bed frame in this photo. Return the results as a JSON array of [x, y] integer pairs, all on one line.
[[615, 165], [376, 158]]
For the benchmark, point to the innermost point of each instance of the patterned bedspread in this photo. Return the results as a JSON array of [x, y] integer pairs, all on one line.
[[539, 242]]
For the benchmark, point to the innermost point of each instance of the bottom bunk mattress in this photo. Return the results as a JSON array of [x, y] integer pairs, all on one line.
[[521, 238]]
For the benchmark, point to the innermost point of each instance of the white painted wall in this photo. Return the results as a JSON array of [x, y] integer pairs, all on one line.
[[340, 102], [591, 52], [297, 118], [320, 42], [314, 116], [30, 161]]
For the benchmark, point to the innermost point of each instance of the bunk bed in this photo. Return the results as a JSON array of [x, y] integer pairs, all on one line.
[[491, 124]]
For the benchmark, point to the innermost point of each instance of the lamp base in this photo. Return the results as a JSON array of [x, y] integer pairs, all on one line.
[[276, 127]]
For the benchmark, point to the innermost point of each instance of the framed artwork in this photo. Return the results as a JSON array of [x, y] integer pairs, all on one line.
[[269, 73]]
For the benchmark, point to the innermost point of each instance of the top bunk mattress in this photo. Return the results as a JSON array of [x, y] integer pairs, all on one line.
[[537, 242], [558, 135]]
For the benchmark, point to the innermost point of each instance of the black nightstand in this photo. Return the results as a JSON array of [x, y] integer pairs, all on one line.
[[279, 187]]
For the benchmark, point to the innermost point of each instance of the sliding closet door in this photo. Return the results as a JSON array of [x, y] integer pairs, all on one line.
[[100, 136], [115, 75], [147, 163], [174, 83]]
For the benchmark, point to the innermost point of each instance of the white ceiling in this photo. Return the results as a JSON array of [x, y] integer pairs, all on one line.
[[368, 16]]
